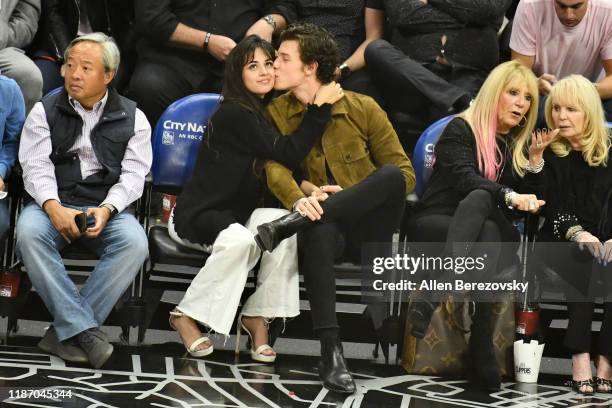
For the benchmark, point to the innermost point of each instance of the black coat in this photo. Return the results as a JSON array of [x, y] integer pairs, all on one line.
[[60, 22], [225, 186], [456, 173], [577, 194]]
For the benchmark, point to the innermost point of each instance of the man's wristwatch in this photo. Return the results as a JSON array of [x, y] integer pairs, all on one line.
[[109, 207], [345, 71], [270, 20]]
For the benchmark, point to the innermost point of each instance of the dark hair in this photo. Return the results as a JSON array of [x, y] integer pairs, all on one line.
[[316, 44], [233, 85]]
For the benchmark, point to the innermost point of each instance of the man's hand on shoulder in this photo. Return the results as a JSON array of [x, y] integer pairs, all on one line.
[[62, 219], [101, 215]]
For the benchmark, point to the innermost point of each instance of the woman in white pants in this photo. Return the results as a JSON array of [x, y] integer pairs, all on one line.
[[218, 207]]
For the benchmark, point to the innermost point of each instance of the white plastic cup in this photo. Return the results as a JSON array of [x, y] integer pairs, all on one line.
[[527, 358]]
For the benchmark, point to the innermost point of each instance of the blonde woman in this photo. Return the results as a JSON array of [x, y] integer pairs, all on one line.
[[487, 160], [579, 190]]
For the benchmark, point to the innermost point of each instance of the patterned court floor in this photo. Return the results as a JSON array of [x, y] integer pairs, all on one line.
[[163, 376]]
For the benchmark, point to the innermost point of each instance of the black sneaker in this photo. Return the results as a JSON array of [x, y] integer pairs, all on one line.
[[66, 350], [95, 344]]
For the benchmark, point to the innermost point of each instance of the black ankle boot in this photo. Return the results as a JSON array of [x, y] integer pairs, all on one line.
[[273, 232], [419, 316], [483, 369], [332, 368]]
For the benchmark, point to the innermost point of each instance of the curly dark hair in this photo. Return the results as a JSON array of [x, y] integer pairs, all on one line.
[[316, 44]]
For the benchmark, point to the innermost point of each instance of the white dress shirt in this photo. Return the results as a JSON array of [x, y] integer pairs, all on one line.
[[39, 172]]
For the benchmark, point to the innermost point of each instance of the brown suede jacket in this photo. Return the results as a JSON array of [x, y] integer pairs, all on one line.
[[358, 139]]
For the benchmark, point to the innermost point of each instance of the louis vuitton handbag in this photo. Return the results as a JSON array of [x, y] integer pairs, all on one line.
[[443, 349]]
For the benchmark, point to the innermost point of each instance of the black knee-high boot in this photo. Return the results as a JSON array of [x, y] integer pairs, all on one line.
[[483, 370]]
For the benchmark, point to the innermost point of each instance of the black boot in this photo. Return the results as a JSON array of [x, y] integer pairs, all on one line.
[[419, 315], [332, 367], [273, 232], [483, 369]]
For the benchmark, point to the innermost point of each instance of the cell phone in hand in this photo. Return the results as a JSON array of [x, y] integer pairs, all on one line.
[[81, 221]]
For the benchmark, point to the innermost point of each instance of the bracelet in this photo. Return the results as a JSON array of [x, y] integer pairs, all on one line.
[[572, 232], [509, 197], [206, 40], [574, 237], [535, 169]]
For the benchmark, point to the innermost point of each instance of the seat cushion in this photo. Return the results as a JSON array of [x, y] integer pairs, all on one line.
[[162, 249]]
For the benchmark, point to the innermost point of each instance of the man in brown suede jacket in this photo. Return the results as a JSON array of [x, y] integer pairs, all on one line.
[[353, 183]]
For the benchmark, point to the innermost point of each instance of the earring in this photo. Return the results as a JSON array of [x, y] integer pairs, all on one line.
[[524, 123]]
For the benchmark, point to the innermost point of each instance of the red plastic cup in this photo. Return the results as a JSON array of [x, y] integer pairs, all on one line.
[[168, 202], [527, 321]]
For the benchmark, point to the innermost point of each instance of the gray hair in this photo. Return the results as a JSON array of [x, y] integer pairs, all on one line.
[[110, 51]]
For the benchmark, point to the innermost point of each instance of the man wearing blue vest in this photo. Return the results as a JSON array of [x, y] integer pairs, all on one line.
[[84, 150]]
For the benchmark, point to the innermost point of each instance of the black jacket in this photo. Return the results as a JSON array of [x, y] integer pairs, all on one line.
[[60, 23], [577, 194], [456, 173], [224, 176]]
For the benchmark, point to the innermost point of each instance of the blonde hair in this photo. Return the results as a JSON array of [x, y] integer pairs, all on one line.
[[482, 117], [576, 90]]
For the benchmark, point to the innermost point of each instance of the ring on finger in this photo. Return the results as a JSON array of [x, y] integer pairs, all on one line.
[[532, 204]]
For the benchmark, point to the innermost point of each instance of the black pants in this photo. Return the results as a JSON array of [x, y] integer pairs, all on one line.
[[425, 90], [478, 226], [366, 212], [583, 279], [154, 86]]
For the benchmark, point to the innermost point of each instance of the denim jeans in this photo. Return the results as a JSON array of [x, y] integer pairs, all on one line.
[[122, 248]]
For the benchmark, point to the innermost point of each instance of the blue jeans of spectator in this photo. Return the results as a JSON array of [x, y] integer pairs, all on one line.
[[541, 123], [121, 246], [4, 220]]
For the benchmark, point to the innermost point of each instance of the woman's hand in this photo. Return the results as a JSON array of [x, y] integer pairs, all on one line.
[[331, 189], [329, 93], [606, 257], [592, 243], [540, 139], [527, 202]]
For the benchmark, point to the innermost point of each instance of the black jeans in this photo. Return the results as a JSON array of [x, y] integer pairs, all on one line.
[[476, 227], [154, 86], [369, 211], [583, 280], [417, 88]]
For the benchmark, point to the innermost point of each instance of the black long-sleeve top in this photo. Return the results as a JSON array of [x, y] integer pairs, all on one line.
[[225, 178], [470, 27], [157, 20], [456, 173], [576, 194]]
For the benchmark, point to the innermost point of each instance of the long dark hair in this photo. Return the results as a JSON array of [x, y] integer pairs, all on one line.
[[233, 86]]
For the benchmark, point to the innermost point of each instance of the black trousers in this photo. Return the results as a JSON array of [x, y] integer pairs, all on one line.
[[583, 280], [154, 86], [424, 90], [477, 227], [366, 212]]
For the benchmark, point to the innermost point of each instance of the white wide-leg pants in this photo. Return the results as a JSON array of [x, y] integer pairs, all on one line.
[[214, 294]]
